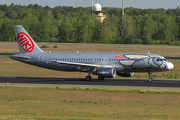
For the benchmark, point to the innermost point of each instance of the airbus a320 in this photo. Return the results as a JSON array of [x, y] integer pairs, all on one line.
[[105, 65]]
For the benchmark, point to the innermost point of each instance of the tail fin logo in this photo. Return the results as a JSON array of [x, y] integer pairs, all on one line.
[[25, 42]]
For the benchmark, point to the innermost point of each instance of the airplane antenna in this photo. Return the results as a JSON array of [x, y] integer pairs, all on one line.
[[2, 2], [122, 8], [92, 5]]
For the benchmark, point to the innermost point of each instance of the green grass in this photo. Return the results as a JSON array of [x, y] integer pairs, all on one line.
[[36, 102], [45, 46], [84, 103], [96, 89], [55, 46]]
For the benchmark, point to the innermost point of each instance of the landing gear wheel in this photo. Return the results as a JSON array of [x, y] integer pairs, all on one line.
[[100, 78], [150, 80], [88, 78]]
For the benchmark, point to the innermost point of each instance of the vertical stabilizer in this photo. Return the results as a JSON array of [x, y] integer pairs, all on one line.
[[25, 42]]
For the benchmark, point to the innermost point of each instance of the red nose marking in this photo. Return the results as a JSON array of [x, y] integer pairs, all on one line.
[[118, 56]]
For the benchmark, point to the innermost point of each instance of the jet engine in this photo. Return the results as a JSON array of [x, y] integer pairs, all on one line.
[[125, 74], [106, 72]]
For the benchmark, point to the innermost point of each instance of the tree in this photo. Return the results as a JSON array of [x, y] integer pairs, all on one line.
[[128, 27], [64, 31], [68, 24], [148, 29], [170, 28], [6, 30]]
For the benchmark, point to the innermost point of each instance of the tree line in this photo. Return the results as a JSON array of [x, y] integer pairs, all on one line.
[[79, 25]]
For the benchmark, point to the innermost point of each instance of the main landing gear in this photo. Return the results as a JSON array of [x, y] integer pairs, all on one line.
[[89, 78], [100, 78], [150, 79]]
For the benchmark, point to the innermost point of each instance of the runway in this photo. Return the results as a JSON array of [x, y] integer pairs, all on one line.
[[80, 82]]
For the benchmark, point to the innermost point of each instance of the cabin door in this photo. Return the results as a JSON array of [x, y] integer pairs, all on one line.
[[41, 59]]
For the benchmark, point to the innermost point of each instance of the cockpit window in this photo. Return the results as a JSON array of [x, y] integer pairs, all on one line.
[[164, 60], [158, 61], [161, 59]]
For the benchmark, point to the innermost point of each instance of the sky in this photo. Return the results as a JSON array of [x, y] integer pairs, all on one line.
[[143, 4]]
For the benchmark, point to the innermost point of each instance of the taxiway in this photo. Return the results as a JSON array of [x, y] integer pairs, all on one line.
[[80, 82]]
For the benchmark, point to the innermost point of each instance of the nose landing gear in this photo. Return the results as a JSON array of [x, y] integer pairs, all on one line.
[[150, 79]]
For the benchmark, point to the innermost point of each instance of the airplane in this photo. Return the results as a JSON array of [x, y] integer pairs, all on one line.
[[105, 65]]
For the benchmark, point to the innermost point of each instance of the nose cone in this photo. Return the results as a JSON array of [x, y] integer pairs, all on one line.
[[170, 66]]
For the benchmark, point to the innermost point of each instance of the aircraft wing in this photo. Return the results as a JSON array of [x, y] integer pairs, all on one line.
[[83, 65]]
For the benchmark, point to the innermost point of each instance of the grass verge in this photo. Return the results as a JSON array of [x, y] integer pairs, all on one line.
[[76, 103]]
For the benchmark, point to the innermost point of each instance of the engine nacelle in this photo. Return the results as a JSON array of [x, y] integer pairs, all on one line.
[[125, 74], [106, 72]]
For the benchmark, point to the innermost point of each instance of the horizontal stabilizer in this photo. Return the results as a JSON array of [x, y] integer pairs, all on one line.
[[20, 57]]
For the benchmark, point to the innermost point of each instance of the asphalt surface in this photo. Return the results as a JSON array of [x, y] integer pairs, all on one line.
[[80, 82]]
